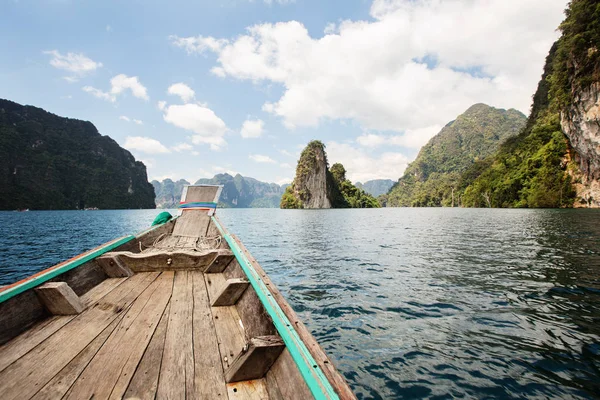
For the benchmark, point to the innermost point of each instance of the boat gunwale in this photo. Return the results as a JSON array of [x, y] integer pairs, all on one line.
[[9, 291], [310, 361]]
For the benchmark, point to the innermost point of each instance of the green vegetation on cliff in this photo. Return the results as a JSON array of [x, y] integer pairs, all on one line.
[[51, 162], [376, 187], [535, 168], [317, 186], [433, 179]]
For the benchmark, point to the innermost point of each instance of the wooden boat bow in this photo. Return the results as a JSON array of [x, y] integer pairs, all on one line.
[[181, 310]]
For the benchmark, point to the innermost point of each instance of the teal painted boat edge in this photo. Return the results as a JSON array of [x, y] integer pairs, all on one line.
[[51, 272], [47, 274], [313, 375]]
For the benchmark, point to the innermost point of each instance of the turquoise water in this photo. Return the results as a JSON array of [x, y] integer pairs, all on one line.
[[410, 303]]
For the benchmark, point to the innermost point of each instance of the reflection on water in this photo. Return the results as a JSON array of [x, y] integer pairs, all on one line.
[[410, 303]]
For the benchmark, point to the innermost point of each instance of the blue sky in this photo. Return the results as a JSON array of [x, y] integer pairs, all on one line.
[[193, 88]]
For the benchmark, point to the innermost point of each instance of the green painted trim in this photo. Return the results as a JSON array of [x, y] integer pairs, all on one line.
[[38, 280], [313, 375], [52, 272]]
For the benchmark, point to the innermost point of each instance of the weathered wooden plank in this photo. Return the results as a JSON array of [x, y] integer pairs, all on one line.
[[178, 356], [144, 383], [59, 298], [332, 374], [201, 193], [60, 384], [229, 293], [83, 278], [285, 379], [249, 390], [254, 362], [177, 260], [221, 262], [22, 344], [209, 382], [257, 321], [113, 267], [228, 325], [98, 292], [273, 387], [27, 375], [192, 223], [213, 231], [110, 371], [20, 313]]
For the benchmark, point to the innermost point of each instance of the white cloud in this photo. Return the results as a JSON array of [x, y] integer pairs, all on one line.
[[127, 119], [216, 142], [76, 63], [182, 90], [199, 119], [195, 153], [283, 181], [145, 145], [182, 147], [198, 44], [261, 159], [417, 64], [99, 94], [330, 29], [412, 138], [122, 82], [118, 85], [285, 165], [252, 128], [361, 166], [161, 105]]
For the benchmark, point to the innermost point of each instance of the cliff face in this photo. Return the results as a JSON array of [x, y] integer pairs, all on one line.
[[51, 162], [316, 186], [168, 193], [376, 187], [432, 180], [310, 187], [555, 161], [245, 192], [581, 124]]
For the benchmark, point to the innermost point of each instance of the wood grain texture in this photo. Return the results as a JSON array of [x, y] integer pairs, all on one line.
[[254, 362], [144, 383], [59, 298], [209, 382], [19, 314], [23, 343], [192, 223], [110, 371], [83, 278], [178, 356], [24, 377], [335, 378], [201, 194], [113, 267], [61, 382], [230, 292], [176, 260], [249, 390], [284, 378]]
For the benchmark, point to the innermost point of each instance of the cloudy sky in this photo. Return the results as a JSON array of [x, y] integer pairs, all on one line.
[[193, 88]]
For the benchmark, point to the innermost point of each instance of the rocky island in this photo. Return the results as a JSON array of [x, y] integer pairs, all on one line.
[[318, 186], [49, 162]]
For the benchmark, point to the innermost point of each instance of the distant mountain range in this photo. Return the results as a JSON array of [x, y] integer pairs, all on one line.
[[244, 192], [376, 187], [238, 192]]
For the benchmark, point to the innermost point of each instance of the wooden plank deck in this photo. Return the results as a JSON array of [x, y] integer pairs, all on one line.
[[151, 335]]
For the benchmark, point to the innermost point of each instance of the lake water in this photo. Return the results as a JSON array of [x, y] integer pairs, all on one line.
[[410, 303]]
